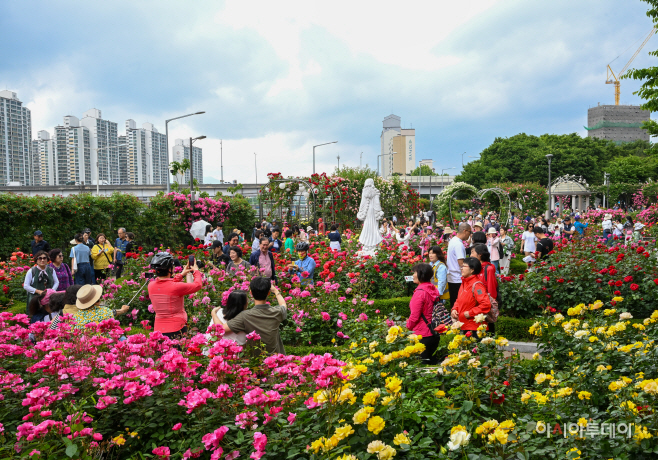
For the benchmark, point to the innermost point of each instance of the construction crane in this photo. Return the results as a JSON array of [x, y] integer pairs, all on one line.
[[611, 78]]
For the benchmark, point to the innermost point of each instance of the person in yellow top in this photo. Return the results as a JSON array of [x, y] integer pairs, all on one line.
[[102, 253]]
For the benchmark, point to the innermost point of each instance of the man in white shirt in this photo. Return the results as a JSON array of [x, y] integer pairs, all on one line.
[[456, 256]]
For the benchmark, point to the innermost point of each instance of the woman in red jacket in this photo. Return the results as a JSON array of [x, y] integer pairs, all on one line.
[[421, 305], [167, 293], [473, 298]]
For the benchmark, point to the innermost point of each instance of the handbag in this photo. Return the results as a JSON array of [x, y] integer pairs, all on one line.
[[492, 316], [439, 316]]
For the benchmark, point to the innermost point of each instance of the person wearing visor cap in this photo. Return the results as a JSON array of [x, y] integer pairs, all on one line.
[[39, 244]]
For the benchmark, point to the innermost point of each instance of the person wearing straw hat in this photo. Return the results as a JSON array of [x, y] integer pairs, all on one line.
[[89, 307]]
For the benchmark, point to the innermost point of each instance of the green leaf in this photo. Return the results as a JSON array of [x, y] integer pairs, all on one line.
[[72, 450], [468, 405]]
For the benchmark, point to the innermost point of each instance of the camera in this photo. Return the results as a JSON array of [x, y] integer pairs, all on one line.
[[149, 275]]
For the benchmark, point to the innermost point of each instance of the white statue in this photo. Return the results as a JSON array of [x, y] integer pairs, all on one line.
[[370, 212]]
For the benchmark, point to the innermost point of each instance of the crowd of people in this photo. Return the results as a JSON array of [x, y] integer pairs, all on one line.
[[458, 285]]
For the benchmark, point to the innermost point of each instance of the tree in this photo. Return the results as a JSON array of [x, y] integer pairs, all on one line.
[[423, 170], [631, 169], [649, 89], [522, 158]]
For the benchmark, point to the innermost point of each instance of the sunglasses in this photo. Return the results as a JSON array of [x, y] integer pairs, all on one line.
[[42, 258]]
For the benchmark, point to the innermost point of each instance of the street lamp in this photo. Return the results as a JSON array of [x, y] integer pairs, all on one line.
[[463, 159], [442, 171], [550, 201], [383, 155], [607, 197], [320, 145], [338, 162], [256, 167], [167, 136], [192, 165]]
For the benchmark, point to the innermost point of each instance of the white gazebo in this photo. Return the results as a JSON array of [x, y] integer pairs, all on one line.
[[574, 186]]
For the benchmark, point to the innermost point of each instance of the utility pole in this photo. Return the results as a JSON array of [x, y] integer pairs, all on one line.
[[191, 172], [548, 213], [221, 161], [338, 162]]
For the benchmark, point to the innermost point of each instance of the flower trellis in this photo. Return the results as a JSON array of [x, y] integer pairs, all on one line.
[[445, 199], [337, 198]]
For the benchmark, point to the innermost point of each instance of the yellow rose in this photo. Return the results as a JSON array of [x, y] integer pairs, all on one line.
[[376, 424], [393, 384], [362, 415], [386, 453], [401, 438], [582, 395], [344, 431]]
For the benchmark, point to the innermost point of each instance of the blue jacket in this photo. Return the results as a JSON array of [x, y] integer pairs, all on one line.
[[306, 265], [580, 227], [253, 260], [334, 236]]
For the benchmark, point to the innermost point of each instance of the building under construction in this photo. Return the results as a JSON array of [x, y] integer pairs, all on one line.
[[618, 123]]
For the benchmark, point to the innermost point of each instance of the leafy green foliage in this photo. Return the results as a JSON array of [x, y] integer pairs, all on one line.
[[424, 170], [523, 157]]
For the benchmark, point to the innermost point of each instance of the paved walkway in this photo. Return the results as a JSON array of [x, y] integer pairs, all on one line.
[[526, 349]]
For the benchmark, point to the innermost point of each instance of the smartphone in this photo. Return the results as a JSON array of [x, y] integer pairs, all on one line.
[[190, 260], [149, 275]]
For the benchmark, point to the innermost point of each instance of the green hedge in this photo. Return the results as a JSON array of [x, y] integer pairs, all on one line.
[[515, 329], [398, 306]]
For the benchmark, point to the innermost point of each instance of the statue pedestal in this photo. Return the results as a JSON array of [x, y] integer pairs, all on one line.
[[367, 251]]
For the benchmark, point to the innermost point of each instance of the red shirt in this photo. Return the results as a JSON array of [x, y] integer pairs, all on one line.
[[167, 297], [471, 300]]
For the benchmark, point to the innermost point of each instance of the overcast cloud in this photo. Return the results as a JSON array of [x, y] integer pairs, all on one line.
[[276, 78]]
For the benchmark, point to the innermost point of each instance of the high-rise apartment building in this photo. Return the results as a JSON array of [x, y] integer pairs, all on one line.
[[73, 152], [104, 139], [181, 151], [123, 160], [15, 140], [147, 161], [43, 153], [156, 147], [398, 148]]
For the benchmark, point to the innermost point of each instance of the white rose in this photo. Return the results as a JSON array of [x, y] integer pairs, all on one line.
[[458, 439], [580, 334], [488, 341], [480, 318], [625, 316], [457, 325]]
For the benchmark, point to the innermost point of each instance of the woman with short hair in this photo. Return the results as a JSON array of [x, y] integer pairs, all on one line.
[[61, 268], [237, 263], [473, 298], [39, 278], [100, 253], [289, 244], [421, 307]]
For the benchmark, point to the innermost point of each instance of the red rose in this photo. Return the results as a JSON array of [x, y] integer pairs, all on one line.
[[441, 329], [634, 287], [628, 279], [469, 333], [619, 283], [506, 383], [561, 280]]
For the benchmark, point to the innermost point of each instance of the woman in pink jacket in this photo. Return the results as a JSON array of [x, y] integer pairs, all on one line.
[[421, 306]]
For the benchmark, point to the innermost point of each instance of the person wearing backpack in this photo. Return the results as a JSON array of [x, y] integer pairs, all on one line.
[[487, 275], [473, 298], [421, 306], [100, 252]]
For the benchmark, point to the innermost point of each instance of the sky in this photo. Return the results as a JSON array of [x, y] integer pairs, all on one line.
[[276, 78]]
